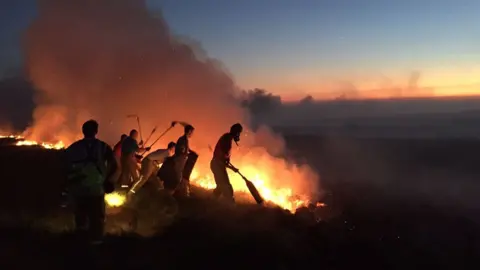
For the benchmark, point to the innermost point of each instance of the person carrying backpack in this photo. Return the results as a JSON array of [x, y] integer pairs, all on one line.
[[90, 167]]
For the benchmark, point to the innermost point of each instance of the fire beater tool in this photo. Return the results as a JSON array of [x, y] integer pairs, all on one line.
[[251, 187], [150, 136], [167, 130], [161, 135]]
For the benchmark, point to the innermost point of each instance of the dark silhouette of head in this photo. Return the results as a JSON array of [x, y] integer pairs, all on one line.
[[134, 134], [235, 131], [171, 148], [189, 130], [171, 145], [123, 137], [90, 129]]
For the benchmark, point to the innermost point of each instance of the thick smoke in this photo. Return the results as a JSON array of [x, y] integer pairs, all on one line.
[[106, 59]]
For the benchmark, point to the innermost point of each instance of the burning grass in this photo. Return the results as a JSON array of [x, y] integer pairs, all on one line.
[[21, 141], [275, 183], [375, 232]]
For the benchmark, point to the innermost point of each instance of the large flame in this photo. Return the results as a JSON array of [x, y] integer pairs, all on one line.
[[21, 141], [276, 184]]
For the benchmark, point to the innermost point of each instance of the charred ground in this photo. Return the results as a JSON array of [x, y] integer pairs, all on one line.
[[393, 204]]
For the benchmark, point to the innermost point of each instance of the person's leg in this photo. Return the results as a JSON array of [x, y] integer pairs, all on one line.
[[118, 173], [96, 218], [125, 176], [80, 213], [226, 186], [217, 192], [181, 188], [129, 171], [134, 171], [146, 171]]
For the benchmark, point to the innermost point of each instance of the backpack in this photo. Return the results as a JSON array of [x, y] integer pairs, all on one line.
[[87, 176]]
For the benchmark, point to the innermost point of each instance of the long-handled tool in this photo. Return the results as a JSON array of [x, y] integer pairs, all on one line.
[[167, 130], [251, 187], [161, 135], [150, 136]]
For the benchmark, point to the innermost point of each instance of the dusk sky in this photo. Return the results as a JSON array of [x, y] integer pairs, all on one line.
[[305, 46]]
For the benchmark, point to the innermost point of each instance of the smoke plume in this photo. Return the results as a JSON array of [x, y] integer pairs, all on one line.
[[106, 59]]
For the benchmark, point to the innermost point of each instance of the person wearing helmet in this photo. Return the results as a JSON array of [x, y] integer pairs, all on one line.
[[182, 149], [221, 161]]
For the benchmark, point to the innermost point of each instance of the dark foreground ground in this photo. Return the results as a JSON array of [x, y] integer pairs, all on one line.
[[403, 204]]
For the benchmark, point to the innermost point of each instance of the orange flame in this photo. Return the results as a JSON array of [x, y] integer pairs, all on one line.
[[23, 142], [283, 194]]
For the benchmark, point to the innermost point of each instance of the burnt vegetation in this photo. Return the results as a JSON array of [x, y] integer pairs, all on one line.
[[374, 217]]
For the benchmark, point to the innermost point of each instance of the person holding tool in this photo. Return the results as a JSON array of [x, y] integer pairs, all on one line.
[[128, 159], [180, 157], [149, 165], [221, 161]]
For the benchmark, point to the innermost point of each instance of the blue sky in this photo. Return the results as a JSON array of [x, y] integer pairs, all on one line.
[[300, 45]]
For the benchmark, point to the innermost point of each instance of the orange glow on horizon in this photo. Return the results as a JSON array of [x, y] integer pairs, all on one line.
[[470, 90], [452, 81]]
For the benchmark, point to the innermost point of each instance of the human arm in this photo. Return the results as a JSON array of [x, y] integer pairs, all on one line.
[[225, 145], [139, 148], [159, 155], [231, 167], [143, 149]]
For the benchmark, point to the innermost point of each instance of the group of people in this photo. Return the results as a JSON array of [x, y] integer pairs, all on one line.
[[94, 168], [135, 170]]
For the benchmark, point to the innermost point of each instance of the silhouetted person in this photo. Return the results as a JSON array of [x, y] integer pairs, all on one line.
[[117, 151], [182, 149], [129, 160], [150, 164], [91, 164], [221, 161]]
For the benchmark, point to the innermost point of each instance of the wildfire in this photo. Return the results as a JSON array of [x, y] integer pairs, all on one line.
[[262, 179], [58, 145], [21, 141], [282, 197], [115, 199]]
